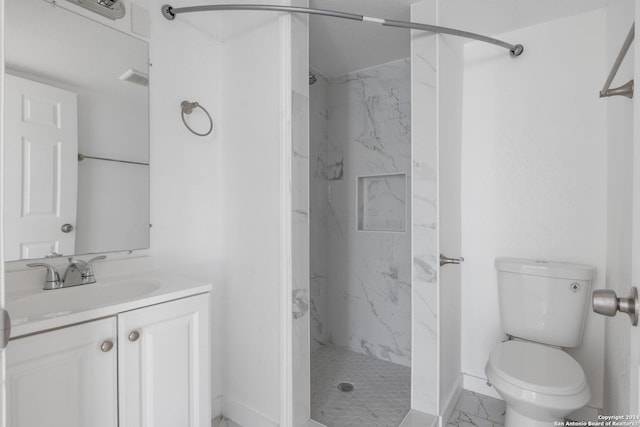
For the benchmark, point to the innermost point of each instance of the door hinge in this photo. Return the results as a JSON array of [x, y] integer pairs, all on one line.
[[5, 328]]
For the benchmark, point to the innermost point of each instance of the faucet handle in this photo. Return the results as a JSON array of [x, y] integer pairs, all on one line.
[[98, 258], [52, 280]]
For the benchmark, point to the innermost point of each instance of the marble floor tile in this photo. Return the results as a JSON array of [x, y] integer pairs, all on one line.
[[221, 421], [381, 394], [475, 409], [461, 419], [419, 419], [312, 423], [481, 406]]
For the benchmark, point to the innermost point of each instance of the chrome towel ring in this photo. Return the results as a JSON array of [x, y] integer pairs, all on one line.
[[187, 108]]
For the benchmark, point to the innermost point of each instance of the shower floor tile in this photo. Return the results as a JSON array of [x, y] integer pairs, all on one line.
[[381, 395]]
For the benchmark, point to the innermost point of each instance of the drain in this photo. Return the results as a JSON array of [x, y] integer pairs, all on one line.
[[345, 387]]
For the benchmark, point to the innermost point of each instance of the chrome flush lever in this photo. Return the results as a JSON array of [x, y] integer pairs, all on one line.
[[446, 260], [607, 303]]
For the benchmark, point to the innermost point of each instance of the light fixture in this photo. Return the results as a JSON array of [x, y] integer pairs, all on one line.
[[112, 9]]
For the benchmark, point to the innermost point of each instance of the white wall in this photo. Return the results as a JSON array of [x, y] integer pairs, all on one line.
[[186, 169], [533, 172], [620, 17], [251, 200], [450, 61], [222, 205], [424, 250]]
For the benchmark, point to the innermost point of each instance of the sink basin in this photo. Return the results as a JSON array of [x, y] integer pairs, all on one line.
[[53, 303], [34, 310]]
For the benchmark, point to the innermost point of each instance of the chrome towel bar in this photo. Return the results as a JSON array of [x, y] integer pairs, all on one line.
[[81, 157], [187, 108]]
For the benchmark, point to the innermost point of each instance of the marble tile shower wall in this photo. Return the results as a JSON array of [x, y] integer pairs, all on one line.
[[360, 280], [300, 251], [320, 175]]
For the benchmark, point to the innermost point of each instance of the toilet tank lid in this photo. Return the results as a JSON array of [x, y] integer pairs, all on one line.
[[546, 268]]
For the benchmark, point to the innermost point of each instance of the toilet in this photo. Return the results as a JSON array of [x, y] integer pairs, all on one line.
[[543, 307]]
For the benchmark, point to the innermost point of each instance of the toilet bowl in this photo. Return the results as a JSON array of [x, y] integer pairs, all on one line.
[[540, 384], [543, 307]]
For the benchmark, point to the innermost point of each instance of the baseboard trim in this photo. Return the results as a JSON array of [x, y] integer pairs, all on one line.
[[450, 404], [479, 385], [216, 406], [417, 418], [244, 416]]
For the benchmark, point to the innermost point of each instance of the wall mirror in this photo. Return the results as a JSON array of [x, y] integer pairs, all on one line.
[[76, 135]]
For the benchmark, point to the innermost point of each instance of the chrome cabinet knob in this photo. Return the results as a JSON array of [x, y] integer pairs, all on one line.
[[134, 335], [607, 303], [67, 228], [106, 346]]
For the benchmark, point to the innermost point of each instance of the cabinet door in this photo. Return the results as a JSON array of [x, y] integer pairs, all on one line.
[[63, 378], [164, 373]]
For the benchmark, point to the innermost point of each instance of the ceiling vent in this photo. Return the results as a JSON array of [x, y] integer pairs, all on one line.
[[135, 76]]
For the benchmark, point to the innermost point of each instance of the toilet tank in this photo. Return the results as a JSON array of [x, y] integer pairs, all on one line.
[[544, 301]]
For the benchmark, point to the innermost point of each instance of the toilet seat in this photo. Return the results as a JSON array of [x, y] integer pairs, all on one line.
[[537, 368]]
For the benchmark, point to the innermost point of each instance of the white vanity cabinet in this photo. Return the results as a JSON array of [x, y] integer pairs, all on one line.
[[147, 367], [66, 377], [164, 365]]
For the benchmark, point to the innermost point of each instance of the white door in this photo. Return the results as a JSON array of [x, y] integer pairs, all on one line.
[[634, 332], [634, 357], [41, 173], [3, 313], [163, 370], [67, 377]]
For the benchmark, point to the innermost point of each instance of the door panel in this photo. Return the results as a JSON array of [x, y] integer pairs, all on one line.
[[41, 161], [63, 377], [164, 374], [41, 111], [41, 147]]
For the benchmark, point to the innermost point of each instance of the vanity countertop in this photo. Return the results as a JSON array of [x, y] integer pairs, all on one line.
[[33, 309]]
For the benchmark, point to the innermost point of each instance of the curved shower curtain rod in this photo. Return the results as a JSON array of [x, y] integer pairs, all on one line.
[[170, 13]]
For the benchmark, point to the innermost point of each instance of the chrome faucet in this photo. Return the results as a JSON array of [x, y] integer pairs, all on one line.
[[78, 272], [52, 280]]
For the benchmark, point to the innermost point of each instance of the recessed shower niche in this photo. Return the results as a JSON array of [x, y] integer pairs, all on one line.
[[382, 202]]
